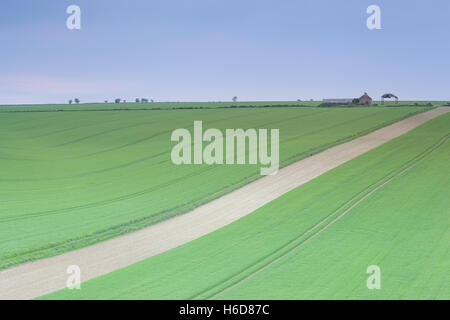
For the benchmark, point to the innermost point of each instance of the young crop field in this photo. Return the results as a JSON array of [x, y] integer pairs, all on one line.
[[153, 106], [70, 179], [191, 105], [388, 207]]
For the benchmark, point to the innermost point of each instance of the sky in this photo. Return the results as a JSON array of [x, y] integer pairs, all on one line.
[[212, 50]]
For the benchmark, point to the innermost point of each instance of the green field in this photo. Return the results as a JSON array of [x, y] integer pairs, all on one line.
[[188, 105], [153, 106], [70, 179], [388, 207]]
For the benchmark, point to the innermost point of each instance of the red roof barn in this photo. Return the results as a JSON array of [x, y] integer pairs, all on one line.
[[365, 99]]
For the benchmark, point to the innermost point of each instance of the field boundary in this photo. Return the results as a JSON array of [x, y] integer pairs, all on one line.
[[219, 107], [168, 109]]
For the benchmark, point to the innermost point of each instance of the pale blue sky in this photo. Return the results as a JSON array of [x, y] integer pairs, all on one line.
[[204, 50]]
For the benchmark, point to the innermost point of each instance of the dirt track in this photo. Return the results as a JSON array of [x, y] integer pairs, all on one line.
[[44, 276]]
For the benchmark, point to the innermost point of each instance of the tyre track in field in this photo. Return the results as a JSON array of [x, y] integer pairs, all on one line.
[[112, 200], [318, 228], [124, 197], [103, 133], [127, 164], [131, 195], [108, 150], [148, 138], [43, 276], [104, 202], [190, 126], [81, 125]]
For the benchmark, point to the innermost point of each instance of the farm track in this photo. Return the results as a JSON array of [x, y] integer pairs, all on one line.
[[47, 275]]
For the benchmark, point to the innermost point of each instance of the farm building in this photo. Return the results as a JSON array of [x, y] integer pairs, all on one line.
[[365, 99], [349, 101]]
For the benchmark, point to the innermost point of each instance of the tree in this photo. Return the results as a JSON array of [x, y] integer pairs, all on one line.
[[355, 101], [144, 100], [77, 101], [389, 96], [152, 101], [235, 98], [137, 100], [70, 101], [106, 101], [117, 100]]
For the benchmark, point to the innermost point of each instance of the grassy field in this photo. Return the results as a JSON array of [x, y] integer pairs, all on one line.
[[388, 207], [188, 105], [153, 105], [70, 179]]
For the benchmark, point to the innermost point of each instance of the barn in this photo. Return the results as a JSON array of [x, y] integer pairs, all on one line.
[[365, 99]]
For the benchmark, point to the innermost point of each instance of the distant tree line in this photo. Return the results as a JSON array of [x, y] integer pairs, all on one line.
[[142, 100], [117, 100], [137, 100], [77, 101]]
